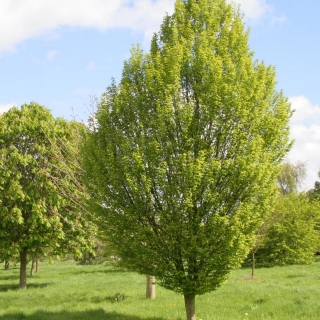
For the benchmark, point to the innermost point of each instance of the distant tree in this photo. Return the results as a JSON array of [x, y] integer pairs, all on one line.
[[42, 200], [291, 177], [289, 180], [185, 151], [260, 236], [293, 237], [314, 194], [317, 187]]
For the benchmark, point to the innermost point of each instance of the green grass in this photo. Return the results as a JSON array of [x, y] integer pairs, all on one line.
[[69, 291]]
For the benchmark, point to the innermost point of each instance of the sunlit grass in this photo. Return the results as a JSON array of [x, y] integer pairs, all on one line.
[[66, 290]]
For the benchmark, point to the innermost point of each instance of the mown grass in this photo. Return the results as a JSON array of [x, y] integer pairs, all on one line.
[[65, 290]]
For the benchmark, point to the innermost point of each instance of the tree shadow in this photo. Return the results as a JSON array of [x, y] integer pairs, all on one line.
[[15, 287], [99, 271], [9, 277], [77, 315]]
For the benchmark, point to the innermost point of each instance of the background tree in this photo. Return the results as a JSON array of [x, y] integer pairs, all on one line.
[[293, 238], [314, 194], [41, 196], [185, 151], [291, 177], [317, 188], [289, 180], [260, 236], [290, 233]]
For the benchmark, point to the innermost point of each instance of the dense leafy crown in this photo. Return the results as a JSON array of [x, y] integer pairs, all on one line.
[[186, 149], [41, 195]]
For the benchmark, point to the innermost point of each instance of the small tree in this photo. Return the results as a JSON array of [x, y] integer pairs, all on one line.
[[293, 237], [42, 200], [185, 151], [288, 181]]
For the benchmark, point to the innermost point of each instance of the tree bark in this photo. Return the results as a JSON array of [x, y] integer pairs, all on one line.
[[37, 264], [151, 287], [253, 265], [6, 265], [189, 302], [23, 269], [32, 267]]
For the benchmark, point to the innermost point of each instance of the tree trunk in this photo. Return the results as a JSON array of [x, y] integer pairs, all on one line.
[[151, 287], [189, 302], [23, 269], [253, 265], [32, 267], [6, 265], [37, 264]]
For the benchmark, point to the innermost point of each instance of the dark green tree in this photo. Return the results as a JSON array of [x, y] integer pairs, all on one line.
[[185, 151], [314, 194], [42, 200]]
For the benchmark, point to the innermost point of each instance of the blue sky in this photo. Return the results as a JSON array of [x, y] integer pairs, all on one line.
[[59, 53]]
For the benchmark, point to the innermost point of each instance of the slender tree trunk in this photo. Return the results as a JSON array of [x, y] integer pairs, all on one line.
[[190, 303], [37, 264], [32, 267], [6, 264], [151, 287], [23, 269], [253, 265]]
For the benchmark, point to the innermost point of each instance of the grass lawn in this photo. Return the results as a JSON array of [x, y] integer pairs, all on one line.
[[65, 290]]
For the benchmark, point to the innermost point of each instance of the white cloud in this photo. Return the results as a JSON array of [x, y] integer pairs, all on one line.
[[25, 19], [90, 65], [305, 130], [254, 9], [6, 107], [51, 54], [304, 110], [279, 20]]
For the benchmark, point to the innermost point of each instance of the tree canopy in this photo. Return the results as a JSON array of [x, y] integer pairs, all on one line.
[[42, 200], [184, 152]]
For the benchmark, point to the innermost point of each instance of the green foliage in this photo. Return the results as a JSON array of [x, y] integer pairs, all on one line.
[[185, 151], [314, 194], [292, 237], [317, 188], [99, 254], [42, 200], [288, 181]]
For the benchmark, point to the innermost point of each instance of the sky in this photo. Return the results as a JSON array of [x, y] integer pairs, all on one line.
[[61, 54]]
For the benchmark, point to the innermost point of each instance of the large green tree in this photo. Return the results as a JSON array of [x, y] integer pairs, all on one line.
[[185, 150], [41, 199]]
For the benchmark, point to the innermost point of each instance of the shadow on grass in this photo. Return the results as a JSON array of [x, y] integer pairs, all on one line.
[[107, 271], [8, 277], [81, 315], [7, 287], [292, 276]]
